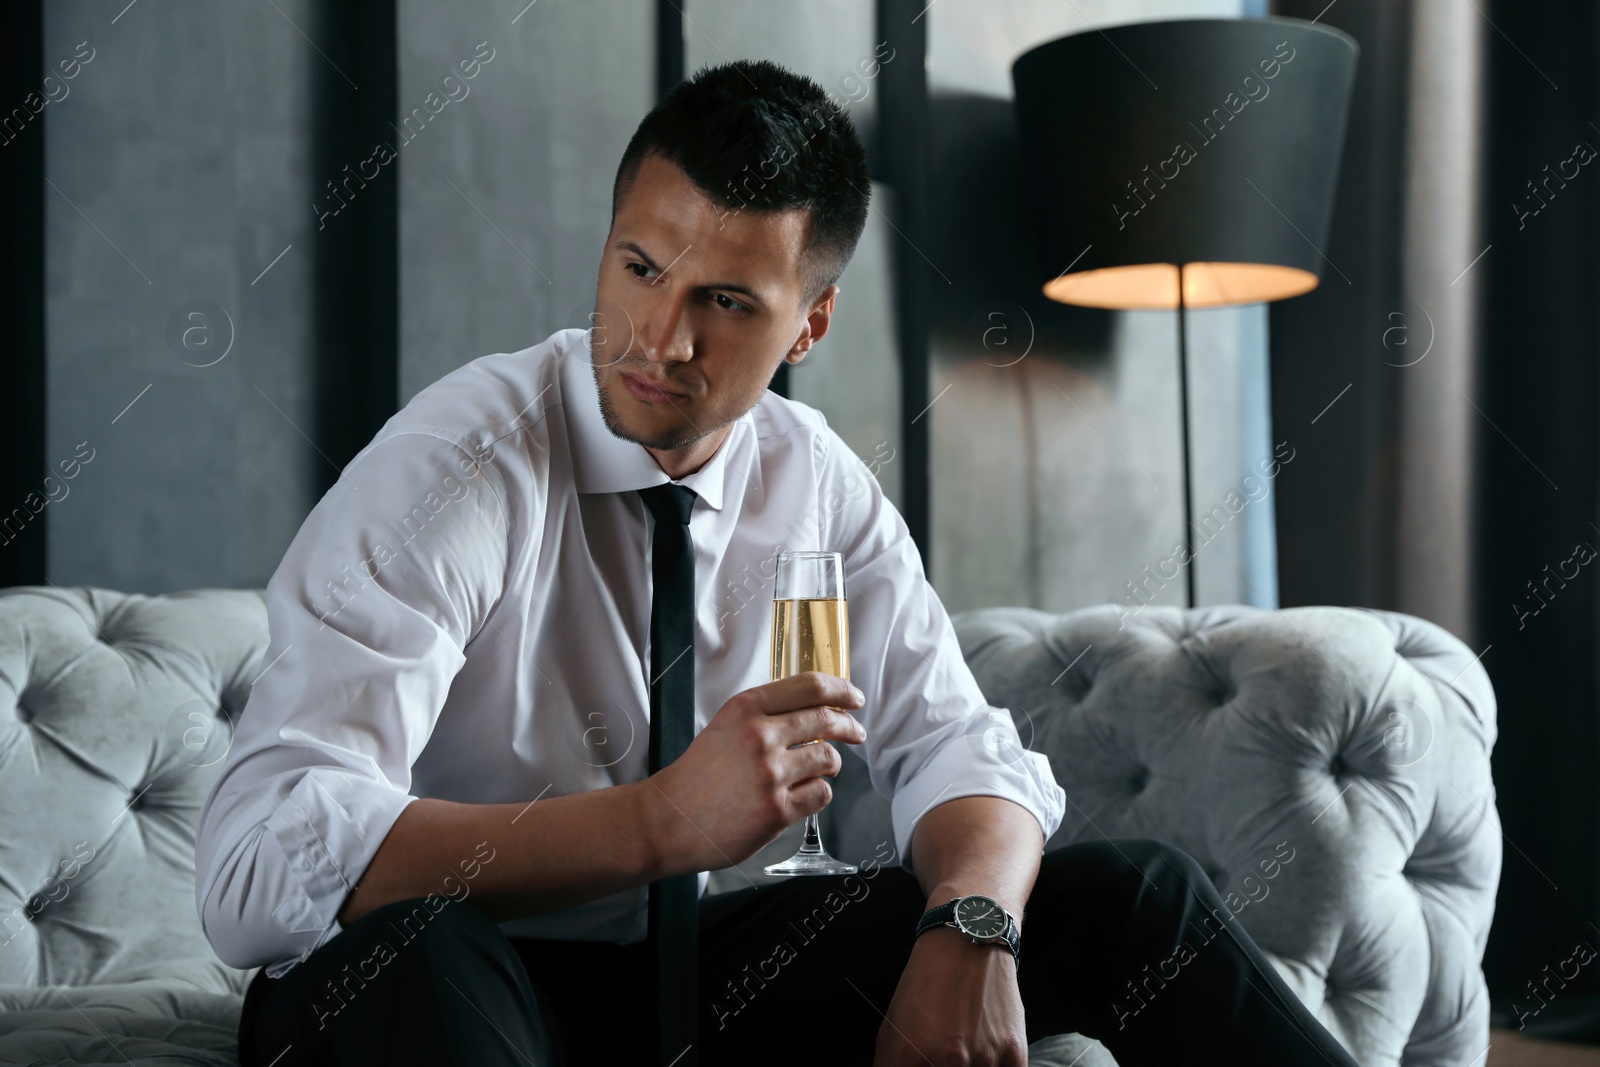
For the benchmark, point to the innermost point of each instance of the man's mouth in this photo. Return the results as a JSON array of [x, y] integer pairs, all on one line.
[[642, 390]]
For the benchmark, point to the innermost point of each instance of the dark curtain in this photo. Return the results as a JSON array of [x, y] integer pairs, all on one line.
[[1537, 504], [1455, 478]]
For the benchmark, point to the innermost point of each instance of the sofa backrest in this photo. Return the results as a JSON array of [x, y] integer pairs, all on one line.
[[115, 713]]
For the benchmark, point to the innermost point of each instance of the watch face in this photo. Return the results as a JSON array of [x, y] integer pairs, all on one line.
[[980, 917]]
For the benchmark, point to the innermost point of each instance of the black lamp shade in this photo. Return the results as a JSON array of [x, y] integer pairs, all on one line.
[[1211, 144]]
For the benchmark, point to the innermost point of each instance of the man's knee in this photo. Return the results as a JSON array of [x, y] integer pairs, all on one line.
[[1155, 856], [1142, 870], [390, 986], [1169, 885], [432, 933], [433, 926]]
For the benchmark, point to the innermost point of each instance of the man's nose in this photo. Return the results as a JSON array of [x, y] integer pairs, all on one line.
[[669, 337]]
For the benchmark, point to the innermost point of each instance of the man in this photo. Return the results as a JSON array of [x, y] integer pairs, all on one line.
[[437, 824]]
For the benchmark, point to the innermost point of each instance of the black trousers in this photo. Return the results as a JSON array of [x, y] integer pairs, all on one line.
[[1125, 941]]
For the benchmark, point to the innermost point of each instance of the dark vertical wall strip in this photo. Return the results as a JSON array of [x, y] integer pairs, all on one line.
[[22, 399], [669, 46], [1540, 385], [903, 153], [357, 260]]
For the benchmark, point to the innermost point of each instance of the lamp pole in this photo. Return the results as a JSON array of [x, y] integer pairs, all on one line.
[[1183, 422]]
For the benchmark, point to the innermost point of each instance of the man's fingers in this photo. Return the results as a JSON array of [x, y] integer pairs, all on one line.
[[811, 796], [808, 706], [811, 761], [804, 690], [819, 724]]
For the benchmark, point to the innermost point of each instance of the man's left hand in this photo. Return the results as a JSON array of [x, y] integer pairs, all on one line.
[[957, 1003]]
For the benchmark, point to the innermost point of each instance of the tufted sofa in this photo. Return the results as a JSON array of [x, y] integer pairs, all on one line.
[[1327, 766]]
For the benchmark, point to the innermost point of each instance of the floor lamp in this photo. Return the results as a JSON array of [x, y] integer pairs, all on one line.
[[1184, 164]]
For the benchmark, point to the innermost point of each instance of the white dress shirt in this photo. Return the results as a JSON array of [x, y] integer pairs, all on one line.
[[486, 639]]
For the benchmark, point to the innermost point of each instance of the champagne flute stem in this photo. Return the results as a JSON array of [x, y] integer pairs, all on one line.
[[812, 843]]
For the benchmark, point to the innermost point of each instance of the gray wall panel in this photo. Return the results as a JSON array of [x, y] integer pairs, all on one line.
[[183, 149], [510, 253]]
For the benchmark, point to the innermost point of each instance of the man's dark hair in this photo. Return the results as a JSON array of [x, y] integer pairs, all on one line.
[[756, 137]]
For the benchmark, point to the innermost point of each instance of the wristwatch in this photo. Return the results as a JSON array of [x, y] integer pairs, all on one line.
[[980, 918]]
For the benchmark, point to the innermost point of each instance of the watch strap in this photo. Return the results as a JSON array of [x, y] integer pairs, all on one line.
[[937, 916]]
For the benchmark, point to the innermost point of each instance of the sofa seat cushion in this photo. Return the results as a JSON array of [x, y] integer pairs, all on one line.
[[152, 1023]]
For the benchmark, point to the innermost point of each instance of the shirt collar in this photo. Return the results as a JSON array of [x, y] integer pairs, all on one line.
[[603, 462]]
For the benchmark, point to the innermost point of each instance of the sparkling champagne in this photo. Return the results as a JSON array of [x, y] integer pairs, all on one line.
[[812, 634]]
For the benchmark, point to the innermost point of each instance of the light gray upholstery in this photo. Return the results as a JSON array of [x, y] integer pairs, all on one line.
[[114, 713], [1216, 730]]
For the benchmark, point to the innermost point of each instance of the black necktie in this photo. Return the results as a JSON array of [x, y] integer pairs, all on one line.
[[675, 901]]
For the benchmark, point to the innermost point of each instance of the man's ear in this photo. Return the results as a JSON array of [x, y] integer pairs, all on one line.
[[816, 325]]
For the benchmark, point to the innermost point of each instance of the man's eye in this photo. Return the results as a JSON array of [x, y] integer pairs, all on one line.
[[727, 302], [641, 272]]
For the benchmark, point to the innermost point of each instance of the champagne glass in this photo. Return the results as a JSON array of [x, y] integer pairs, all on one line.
[[810, 632]]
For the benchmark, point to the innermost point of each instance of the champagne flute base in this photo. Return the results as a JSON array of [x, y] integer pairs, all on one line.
[[802, 863]]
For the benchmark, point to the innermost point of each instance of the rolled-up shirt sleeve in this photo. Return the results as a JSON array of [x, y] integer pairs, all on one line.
[[390, 576], [931, 737]]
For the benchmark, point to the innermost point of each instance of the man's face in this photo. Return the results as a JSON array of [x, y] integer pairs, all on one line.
[[698, 300]]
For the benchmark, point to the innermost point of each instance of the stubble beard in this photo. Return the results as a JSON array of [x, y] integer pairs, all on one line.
[[669, 441]]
